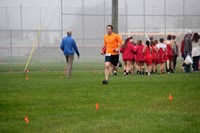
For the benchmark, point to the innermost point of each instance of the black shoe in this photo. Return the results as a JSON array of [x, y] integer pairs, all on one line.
[[137, 72], [105, 82], [156, 71], [140, 72], [172, 71], [120, 64], [143, 73]]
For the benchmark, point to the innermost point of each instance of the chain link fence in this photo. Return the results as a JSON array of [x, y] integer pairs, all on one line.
[[88, 19]]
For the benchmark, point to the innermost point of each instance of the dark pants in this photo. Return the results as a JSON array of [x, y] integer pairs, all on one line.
[[183, 56], [195, 65], [174, 61], [187, 67]]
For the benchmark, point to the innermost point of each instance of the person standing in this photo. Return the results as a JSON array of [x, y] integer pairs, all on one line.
[[139, 57], [161, 54], [127, 55], [153, 56], [182, 52], [112, 43], [147, 50], [169, 54], [188, 49], [195, 51], [174, 51], [68, 46]]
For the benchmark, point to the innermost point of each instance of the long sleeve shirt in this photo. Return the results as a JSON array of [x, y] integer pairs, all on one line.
[[68, 46]]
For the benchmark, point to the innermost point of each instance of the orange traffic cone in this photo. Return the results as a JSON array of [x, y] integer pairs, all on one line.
[[26, 119], [97, 106], [26, 77], [170, 97]]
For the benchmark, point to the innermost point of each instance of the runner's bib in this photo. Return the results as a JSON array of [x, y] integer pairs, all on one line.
[[108, 54]]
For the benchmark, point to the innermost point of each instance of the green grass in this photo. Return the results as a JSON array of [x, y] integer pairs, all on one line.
[[135, 104]]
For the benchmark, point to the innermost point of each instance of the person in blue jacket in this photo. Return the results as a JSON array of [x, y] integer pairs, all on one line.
[[68, 46]]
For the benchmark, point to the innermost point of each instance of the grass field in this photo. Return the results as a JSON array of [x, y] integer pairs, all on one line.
[[135, 104]]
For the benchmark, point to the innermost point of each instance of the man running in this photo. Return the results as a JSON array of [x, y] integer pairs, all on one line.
[[111, 43]]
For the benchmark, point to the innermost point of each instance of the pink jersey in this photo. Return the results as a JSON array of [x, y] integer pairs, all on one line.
[[139, 53], [127, 52]]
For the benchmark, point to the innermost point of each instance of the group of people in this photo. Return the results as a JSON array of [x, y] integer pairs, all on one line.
[[153, 53], [136, 54], [190, 46]]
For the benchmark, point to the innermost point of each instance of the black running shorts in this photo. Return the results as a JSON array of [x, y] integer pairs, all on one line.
[[114, 59]]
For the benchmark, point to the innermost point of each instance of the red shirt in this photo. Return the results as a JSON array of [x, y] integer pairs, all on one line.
[[127, 52], [153, 53], [147, 53], [139, 53]]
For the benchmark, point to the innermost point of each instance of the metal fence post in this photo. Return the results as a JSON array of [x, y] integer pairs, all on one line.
[[11, 54]]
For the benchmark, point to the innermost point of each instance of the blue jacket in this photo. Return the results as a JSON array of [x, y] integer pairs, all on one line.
[[68, 46]]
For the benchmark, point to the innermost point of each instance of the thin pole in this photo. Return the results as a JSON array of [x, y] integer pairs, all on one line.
[[126, 17], [184, 17], [115, 15], [165, 18], [32, 50], [104, 12], [144, 17], [83, 29], [21, 25], [6, 18], [11, 54], [61, 12]]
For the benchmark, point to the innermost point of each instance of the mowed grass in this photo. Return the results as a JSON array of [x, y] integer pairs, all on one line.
[[133, 104]]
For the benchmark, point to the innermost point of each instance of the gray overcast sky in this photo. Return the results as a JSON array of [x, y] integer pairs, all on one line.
[[28, 3]]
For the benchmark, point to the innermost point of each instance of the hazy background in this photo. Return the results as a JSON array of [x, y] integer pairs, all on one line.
[[20, 21]]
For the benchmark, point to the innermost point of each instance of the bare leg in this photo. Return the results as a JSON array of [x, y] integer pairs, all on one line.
[[107, 70], [128, 66], [125, 65], [138, 67], [111, 69], [161, 67], [168, 65], [149, 69]]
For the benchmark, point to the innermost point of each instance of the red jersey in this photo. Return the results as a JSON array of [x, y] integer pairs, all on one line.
[[147, 56], [139, 53], [168, 49], [153, 52], [127, 52]]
